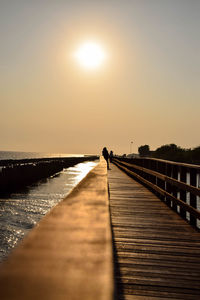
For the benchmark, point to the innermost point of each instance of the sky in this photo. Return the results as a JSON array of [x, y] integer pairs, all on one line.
[[145, 92]]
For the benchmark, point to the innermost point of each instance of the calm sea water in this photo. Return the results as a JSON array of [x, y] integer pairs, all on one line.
[[25, 155], [21, 211]]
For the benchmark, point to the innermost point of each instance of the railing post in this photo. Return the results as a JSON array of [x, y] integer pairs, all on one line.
[[193, 198], [168, 185], [178, 192], [152, 167], [174, 189], [183, 173], [162, 182]]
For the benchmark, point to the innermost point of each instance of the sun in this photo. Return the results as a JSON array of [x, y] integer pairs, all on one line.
[[90, 55]]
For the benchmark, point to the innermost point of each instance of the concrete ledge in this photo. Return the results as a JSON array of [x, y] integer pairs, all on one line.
[[69, 254]]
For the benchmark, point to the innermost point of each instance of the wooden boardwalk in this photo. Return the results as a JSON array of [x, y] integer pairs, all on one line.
[[157, 254]]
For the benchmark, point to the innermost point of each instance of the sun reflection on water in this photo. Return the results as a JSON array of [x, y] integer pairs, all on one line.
[[21, 211]]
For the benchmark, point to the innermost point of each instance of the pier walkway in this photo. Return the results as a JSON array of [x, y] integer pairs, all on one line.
[[157, 254], [108, 225]]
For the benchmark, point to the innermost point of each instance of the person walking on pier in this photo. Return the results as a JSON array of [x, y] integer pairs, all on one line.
[[106, 156], [111, 155]]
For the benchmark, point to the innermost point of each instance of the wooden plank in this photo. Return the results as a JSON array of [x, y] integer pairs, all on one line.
[[157, 253], [187, 207], [158, 293], [181, 185], [69, 254]]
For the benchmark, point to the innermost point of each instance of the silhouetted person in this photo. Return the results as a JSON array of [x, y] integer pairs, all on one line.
[[111, 155], [106, 156]]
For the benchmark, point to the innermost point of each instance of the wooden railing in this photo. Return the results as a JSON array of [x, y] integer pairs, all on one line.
[[177, 184]]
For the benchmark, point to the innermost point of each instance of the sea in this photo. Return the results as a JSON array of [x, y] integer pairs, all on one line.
[[22, 210], [29, 155]]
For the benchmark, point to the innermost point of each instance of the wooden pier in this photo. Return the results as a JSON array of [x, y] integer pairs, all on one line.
[[157, 253], [88, 237]]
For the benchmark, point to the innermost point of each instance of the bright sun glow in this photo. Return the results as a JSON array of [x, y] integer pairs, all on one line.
[[90, 55]]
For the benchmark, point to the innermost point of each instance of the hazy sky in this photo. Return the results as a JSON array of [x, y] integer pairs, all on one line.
[[147, 91]]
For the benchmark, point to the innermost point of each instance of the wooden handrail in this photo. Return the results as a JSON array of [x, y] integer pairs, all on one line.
[[174, 163], [177, 183], [68, 255], [195, 214]]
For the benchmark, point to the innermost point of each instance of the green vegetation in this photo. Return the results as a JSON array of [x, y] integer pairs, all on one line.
[[144, 150], [174, 153]]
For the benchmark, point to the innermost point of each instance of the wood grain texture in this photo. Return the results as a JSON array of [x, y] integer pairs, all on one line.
[[157, 254], [193, 211], [69, 254], [172, 181]]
